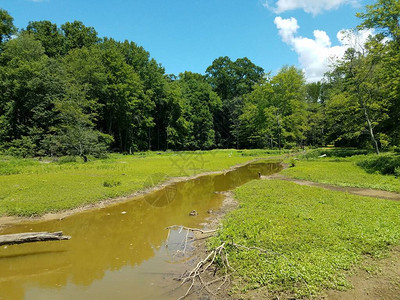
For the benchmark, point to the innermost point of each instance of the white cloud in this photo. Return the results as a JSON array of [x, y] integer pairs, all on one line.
[[287, 28], [315, 55], [309, 6]]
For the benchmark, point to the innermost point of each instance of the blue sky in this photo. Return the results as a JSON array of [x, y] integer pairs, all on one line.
[[190, 34]]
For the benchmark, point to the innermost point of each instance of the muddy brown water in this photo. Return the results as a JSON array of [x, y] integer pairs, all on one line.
[[121, 251]]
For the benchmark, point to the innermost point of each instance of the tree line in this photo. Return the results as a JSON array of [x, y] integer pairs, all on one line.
[[65, 91]]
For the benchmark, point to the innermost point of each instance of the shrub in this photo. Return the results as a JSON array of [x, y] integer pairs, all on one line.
[[384, 164], [111, 183]]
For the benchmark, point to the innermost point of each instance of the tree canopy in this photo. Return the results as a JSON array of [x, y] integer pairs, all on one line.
[[66, 91]]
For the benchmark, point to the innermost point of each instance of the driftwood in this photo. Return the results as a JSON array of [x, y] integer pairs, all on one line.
[[31, 237]]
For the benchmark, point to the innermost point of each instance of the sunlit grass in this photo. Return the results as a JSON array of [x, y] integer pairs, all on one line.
[[313, 236], [342, 172], [31, 187]]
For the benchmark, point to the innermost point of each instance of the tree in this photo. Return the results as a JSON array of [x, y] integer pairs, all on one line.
[[51, 37], [154, 84], [126, 108], [202, 103], [30, 84], [231, 80], [289, 100], [258, 126], [316, 113], [357, 80], [74, 133], [77, 35], [275, 112], [177, 112], [7, 28], [384, 16]]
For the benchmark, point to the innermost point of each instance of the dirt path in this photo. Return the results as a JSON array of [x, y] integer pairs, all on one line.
[[350, 190]]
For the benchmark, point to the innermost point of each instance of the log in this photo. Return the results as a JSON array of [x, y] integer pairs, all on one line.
[[31, 237]]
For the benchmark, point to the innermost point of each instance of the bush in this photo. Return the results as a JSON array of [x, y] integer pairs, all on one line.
[[23, 147], [111, 183], [384, 164], [397, 171]]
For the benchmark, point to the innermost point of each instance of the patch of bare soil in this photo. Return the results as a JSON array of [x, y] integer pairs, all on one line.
[[350, 190], [375, 279]]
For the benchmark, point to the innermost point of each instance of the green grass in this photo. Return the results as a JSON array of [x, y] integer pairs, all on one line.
[[342, 172], [33, 187], [313, 235]]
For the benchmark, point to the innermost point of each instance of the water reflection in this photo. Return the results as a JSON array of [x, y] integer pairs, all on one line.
[[116, 252]]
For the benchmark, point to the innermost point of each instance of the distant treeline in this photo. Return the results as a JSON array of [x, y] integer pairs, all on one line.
[[65, 91]]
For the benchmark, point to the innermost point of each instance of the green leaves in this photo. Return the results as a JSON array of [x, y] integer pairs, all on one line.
[[383, 15], [7, 28], [275, 112]]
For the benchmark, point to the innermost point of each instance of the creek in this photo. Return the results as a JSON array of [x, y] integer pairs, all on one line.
[[118, 252]]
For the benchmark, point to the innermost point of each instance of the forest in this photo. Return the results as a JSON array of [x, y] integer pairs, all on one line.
[[66, 91]]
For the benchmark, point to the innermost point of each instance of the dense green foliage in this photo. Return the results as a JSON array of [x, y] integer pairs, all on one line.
[[312, 236], [362, 92], [66, 91], [383, 164], [31, 186]]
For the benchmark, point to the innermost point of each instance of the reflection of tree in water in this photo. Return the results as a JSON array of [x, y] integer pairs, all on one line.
[[244, 174], [106, 239]]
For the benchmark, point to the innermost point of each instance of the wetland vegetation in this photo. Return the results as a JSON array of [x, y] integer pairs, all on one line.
[[312, 237], [85, 119], [34, 187]]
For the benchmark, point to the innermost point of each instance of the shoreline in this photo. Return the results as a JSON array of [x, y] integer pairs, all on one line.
[[6, 221]]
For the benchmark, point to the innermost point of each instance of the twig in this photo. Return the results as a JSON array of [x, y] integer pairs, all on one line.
[[186, 241], [220, 251], [204, 264], [190, 229]]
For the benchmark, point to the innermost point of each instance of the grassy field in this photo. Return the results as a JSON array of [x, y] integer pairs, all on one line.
[[33, 187], [343, 172], [313, 236]]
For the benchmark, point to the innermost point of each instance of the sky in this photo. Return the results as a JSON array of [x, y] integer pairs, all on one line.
[[187, 35]]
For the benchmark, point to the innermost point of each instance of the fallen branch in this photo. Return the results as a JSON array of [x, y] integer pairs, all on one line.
[[200, 268], [191, 229], [221, 253], [31, 237]]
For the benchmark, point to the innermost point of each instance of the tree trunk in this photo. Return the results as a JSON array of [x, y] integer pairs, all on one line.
[[371, 131], [31, 237]]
